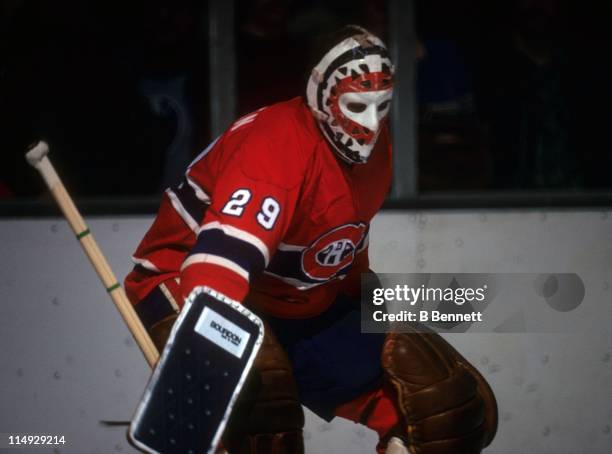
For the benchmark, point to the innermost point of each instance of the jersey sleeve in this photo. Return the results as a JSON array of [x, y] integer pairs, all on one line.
[[163, 248], [253, 203]]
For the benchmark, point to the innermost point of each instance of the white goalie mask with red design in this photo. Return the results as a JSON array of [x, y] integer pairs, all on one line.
[[349, 92]]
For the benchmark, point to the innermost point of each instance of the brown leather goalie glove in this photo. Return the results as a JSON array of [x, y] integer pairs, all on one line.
[[267, 417], [447, 407], [160, 331]]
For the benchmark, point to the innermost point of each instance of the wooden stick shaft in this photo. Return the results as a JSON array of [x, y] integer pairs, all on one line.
[[99, 262]]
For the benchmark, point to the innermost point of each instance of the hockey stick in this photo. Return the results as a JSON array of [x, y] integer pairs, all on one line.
[[37, 157]]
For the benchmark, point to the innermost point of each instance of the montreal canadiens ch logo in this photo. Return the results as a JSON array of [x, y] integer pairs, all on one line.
[[333, 252]]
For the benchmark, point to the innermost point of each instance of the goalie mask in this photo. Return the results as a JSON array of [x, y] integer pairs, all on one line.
[[349, 92]]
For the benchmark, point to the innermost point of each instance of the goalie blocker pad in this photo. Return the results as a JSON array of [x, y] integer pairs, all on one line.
[[205, 362]]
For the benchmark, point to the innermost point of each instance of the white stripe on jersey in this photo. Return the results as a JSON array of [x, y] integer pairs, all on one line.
[[366, 243], [216, 260], [290, 247], [145, 264], [300, 285], [182, 212], [241, 235], [164, 288], [243, 121], [199, 192]]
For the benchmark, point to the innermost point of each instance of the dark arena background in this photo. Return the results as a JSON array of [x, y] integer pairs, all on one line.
[[502, 130]]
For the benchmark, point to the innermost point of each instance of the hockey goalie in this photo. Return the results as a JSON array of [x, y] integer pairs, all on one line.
[[275, 215]]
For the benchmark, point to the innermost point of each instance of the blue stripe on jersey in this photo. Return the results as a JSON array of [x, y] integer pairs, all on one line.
[[242, 253], [289, 264], [187, 196], [363, 240], [154, 307]]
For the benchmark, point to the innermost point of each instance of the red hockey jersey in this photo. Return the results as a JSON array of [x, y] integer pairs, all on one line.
[[268, 215]]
